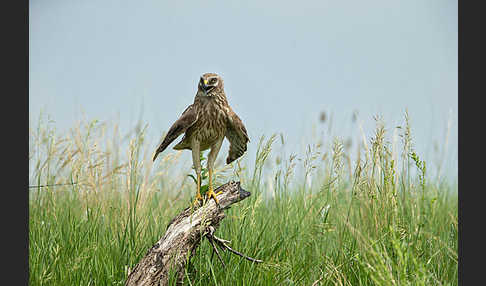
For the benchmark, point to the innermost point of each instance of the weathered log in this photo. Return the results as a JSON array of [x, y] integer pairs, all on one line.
[[182, 237]]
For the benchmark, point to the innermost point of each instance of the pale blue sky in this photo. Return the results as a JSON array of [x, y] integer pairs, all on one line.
[[283, 63]]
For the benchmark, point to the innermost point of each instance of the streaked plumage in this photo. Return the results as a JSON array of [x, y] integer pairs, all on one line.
[[205, 124]]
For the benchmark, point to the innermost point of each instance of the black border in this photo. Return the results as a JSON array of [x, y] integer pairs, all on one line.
[[15, 141], [470, 165]]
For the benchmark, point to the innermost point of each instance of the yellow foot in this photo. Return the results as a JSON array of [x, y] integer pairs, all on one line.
[[212, 195], [198, 199]]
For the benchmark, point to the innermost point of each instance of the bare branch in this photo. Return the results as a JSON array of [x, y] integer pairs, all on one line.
[[183, 236], [222, 244]]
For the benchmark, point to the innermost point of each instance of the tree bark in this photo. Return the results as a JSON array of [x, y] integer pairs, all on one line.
[[182, 237]]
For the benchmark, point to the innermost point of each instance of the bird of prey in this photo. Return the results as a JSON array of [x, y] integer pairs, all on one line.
[[205, 124]]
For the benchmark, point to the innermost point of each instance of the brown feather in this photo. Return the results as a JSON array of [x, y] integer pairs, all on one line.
[[208, 120], [187, 119], [237, 136]]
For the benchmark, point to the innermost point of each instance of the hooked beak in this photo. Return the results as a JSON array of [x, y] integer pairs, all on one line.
[[204, 86]]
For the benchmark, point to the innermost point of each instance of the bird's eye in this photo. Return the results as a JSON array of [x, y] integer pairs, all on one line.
[[213, 81]]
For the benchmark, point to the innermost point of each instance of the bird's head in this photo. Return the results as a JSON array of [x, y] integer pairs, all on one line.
[[210, 84]]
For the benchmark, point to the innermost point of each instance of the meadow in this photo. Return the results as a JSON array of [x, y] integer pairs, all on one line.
[[369, 214]]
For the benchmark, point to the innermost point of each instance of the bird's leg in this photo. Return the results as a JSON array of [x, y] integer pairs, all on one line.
[[211, 158], [196, 160], [198, 194], [211, 193]]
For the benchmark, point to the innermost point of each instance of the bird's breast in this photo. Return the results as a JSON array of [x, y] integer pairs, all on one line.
[[211, 124]]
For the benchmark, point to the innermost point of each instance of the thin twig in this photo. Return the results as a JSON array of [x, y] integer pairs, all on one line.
[[222, 244], [215, 249]]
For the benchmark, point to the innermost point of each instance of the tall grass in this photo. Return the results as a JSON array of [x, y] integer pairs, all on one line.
[[97, 203]]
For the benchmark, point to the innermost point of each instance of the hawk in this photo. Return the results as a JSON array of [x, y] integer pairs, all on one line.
[[205, 124]]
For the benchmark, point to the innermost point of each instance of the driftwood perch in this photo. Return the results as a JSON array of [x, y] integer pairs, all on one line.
[[183, 236]]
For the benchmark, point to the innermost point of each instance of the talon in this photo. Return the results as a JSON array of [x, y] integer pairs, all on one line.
[[198, 199], [211, 195]]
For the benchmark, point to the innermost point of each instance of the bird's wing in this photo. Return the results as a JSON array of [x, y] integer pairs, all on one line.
[[237, 136], [187, 119]]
